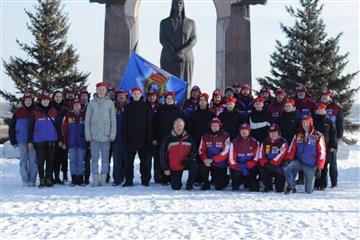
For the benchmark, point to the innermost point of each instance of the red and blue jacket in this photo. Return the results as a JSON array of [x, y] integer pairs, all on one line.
[[243, 153], [310, 150], [176, 151], [335, 114], [73, 129], [18, 130], [44, 126], [245, 108], [217, 108], [215, 146], [273, 152], [304, 107]]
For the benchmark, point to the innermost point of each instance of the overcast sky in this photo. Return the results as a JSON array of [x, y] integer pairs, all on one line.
[[87, 34]]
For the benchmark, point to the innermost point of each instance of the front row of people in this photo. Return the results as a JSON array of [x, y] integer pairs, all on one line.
[[274, 161]]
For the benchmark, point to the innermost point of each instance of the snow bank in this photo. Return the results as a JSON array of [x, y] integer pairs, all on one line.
[[157, 212]]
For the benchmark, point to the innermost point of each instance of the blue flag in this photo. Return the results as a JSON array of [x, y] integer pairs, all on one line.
[[147, 76]]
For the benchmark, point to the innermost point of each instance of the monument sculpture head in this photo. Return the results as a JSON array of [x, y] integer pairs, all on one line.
[[177, 8]]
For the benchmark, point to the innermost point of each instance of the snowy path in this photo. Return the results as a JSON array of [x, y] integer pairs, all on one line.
[[157, 212]]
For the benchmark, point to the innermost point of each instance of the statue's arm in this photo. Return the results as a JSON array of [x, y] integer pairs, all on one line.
[[163, 39], [191, 42]]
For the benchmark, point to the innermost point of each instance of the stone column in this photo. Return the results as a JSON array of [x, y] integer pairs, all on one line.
[[238, 47], [121, 37]]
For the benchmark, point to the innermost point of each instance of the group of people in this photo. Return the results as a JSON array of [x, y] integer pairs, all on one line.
[[232, 138]]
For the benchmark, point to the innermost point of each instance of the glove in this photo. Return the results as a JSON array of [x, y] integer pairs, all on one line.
[[317, 173], [269, 167], [245, 172]]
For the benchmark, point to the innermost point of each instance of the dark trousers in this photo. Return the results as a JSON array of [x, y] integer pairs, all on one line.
[[129, 166], [119, 158], [87, 163], [60, 161], [153, 153], [237, 178], [219, 176], [45, 156], [176, 176], [267, 179], [331, 167]]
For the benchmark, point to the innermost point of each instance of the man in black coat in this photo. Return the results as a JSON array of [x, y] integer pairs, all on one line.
[[289, 121], [323, 124], [163, 123], [137, 130], [230, 117]]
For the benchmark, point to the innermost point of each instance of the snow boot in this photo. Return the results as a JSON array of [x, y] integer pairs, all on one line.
[[103, 179], [95, 182]]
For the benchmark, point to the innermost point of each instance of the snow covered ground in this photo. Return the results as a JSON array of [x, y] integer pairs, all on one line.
[[156, 212]]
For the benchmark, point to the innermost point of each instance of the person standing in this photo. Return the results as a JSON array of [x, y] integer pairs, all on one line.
[[44, 135], [335, 114], [100, 130], [18, 134], [73, 130], [137, 132]]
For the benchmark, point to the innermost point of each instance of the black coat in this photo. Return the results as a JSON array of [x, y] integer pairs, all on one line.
[[324, 125], [137, 125], [163, 121], [260, 117], [231, 122], [289, 123], [199, 124]]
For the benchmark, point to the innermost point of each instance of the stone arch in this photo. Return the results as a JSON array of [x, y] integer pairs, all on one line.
[[233, 56]]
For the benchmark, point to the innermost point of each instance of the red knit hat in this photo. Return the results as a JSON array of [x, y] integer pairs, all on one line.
[[44, 95], [217, 92], [215, 120], [121, 91], [28, 95], [102, 84], [245, 126], [301, 88], [320, 106], [280, 91], [326, 91], [274, 128], [231, 99], [195, 88], [205, 95], [136, 89], [259, 99], [246, 86], [236, 85], [289, 100], [169, 93]]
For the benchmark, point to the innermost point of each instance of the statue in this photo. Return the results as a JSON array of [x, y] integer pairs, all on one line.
[[178, 37]]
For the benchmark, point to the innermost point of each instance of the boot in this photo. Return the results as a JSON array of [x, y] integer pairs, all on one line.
[[80, 180], [65, 177], [57, 179], [95, 182], [48, 182], [86, 180], [103, 179], [42, 183], [73, 180]]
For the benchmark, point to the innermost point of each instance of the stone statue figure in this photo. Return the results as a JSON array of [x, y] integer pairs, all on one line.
[[178, 37]]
